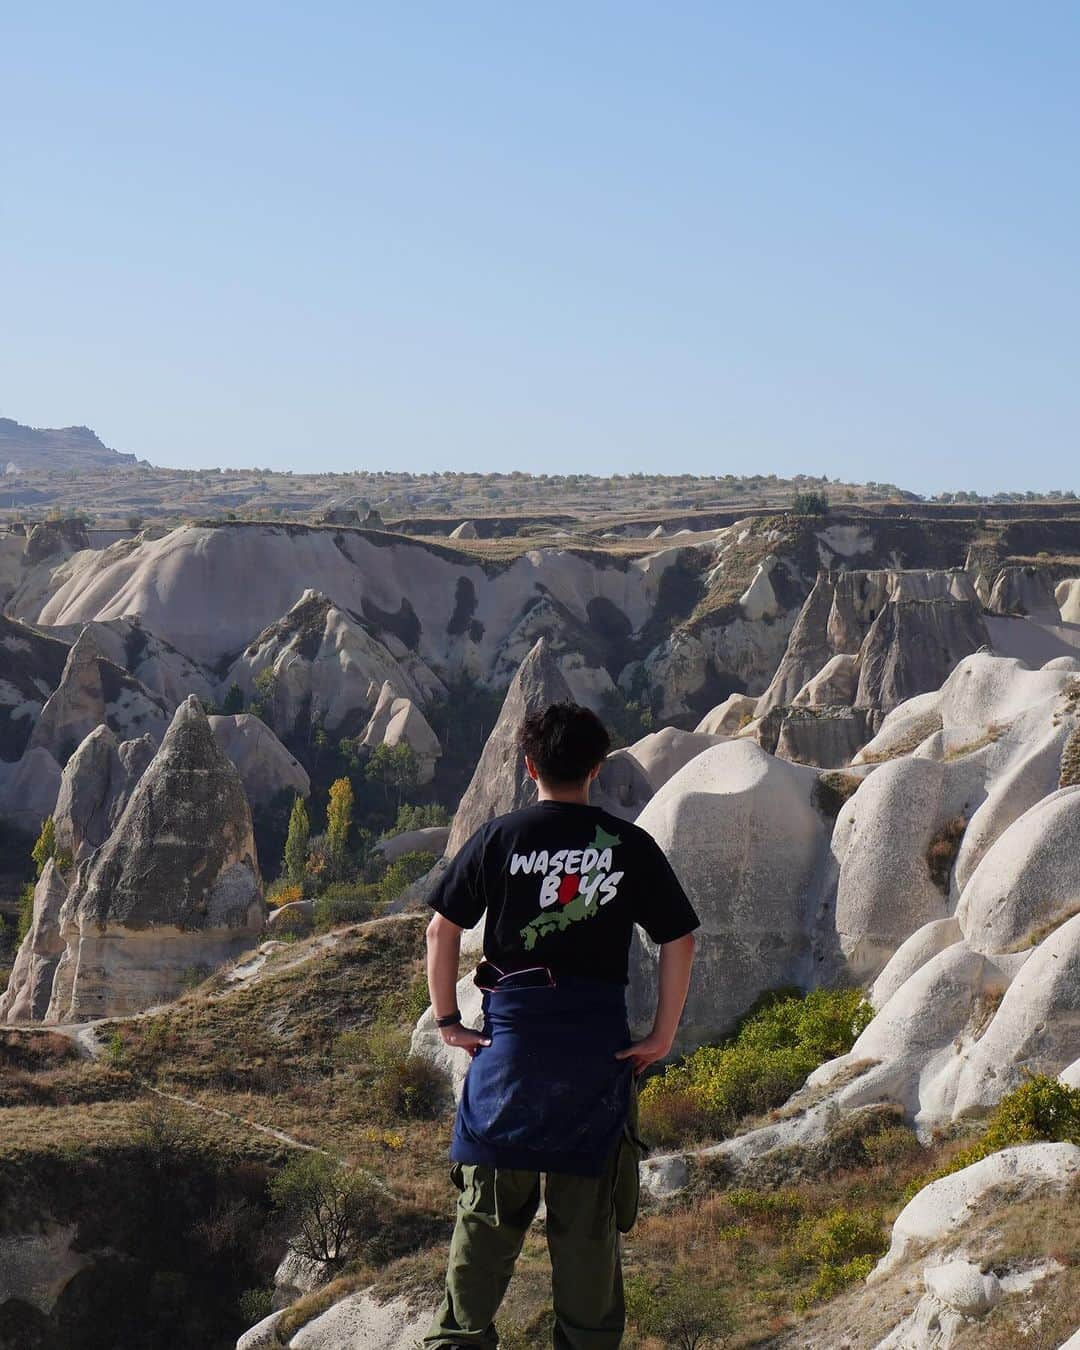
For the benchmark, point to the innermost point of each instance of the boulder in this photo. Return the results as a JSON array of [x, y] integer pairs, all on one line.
[[622, 786], [95, 786], [360, 1320], [741, 832], [466, 530], [266, 768], [93, 690], [909, 1054], [1036, 1029], [912, 955], [728, 717], [1028, 881], [431, 839], [947, 1205], [1067, 596], [500, 783], [1026, 590], [398, 721], [29, 987], [833, 686], [882, 840], [175, 887], [663, 753]]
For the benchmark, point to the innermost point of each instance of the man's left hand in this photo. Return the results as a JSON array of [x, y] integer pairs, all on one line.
[[644, 1053]]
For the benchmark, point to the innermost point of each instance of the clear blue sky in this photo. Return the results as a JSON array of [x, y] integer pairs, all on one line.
[[708, 237]]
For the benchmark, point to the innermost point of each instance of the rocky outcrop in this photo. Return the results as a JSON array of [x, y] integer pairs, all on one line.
[[728, 717], [175, 887], [97, 781], [663, 753], [266, 768], [28, 790], [92, 691], [29, 988], [398, 721], [55, 538], [31, 666], [826, 737], [741, 831], [1067, 596], [322, 664], [155, 663], [500, 782], [466, 530], [430, 839], [1026, 590]]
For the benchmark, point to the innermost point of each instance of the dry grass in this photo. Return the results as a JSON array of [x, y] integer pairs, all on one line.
[[942, 850], [992, 734], [903, 745]]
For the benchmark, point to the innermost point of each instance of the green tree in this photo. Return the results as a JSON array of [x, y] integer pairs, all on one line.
[[810, 504], [682, 1310], [396, 767], [328, 1206], [296, 842], [234, 700], [45, 847], [339, 814]]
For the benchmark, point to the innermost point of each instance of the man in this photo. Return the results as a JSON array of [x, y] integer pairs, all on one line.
[[550, 1088]]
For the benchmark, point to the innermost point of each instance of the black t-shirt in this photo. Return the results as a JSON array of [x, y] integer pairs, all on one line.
[[563, 886]]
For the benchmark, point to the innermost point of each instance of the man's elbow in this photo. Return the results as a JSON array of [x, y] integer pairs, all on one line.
[[441, 929]]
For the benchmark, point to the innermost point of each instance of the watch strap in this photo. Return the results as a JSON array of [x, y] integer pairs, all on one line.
[[450, 1020]]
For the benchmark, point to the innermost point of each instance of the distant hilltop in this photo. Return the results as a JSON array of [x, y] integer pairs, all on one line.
[[54, 448]]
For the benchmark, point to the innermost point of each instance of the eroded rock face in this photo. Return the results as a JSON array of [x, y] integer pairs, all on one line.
[[1025, 590], [1028, 882], [92, 691], [398, 721], [175, 886], [1067, 595], [31, 666], [29, 989], [320, 663], [96, 783], [740, 829], [500, 783], [663, 753], [266, 768]]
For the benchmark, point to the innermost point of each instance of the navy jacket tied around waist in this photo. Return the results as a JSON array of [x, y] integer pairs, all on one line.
[[547, 1094]]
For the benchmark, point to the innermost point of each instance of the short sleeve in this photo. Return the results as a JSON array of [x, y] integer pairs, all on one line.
[[459, 895], [662, 909]]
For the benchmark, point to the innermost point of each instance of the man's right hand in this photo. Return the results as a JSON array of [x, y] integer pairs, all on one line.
[[464, 1038]]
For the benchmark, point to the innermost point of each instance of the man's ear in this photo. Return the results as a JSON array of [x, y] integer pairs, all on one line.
[[530, 769], [595, 773]]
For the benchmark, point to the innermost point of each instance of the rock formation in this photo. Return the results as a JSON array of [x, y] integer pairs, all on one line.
[[1067, 595], [266, 768], [95, 786], [746, 840], [29, 988], [663, 753], [175, 887], [466, 530], [321, 664], [31, 665], [92, 691], [500, 782], [396, 720], [1026, 590]]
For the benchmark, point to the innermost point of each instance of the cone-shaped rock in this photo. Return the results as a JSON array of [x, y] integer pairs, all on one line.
[[175, 887], [30, 984], [97, 781], [500, 782]]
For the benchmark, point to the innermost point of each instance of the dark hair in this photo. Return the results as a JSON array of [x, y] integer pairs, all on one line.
[[565, 742]]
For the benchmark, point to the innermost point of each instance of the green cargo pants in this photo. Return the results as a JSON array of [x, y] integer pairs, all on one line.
[[584, 1218]]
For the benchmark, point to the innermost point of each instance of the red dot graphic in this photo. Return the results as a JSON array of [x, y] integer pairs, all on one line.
[[568, 888]]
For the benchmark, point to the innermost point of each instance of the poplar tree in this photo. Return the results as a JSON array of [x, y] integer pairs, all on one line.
[[296, 844], [339, 822]]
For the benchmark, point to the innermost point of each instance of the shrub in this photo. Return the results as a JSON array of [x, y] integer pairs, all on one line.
[[345, 902], [841, 1247], [402, 872], [682, 1310], [410, 1089], [283, 893], [26, 911], [255, 1304], [1042, 1110], [778, 1044], [833, 789], [942, 850]]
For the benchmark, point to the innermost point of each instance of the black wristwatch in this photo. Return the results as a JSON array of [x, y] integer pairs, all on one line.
[[450, 1020]]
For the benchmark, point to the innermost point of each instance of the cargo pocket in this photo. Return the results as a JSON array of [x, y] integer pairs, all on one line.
[[632, 1150]]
